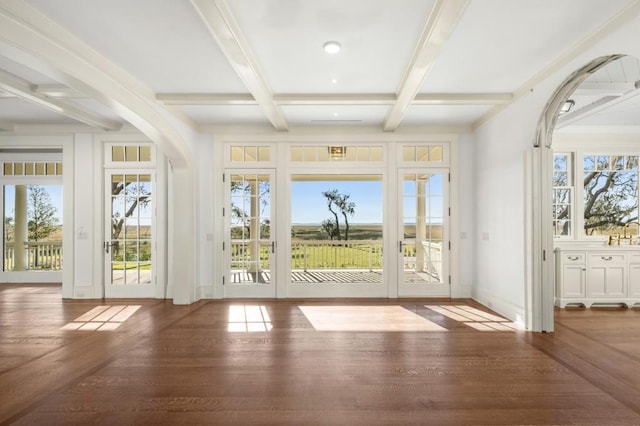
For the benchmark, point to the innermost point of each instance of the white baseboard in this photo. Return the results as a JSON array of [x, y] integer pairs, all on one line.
[[501, 306]]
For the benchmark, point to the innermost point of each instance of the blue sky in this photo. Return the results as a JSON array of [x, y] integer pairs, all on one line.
[[55, 191], [308, 206]]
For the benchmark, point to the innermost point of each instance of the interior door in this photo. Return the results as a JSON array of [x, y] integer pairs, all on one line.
[[129, 233], [423, 249], [250, 245]]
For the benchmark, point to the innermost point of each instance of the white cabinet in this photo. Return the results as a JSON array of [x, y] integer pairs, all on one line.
[[571, 271], [634, 276], [607, 275], [597, 275]]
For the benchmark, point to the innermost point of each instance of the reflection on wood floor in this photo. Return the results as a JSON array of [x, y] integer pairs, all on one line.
[[271, 362]]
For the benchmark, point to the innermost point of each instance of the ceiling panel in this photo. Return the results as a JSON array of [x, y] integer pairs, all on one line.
[[162, 43], [377, 37], [500, 44]]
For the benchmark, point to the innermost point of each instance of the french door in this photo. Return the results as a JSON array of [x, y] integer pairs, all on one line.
[[423, 248], [249, 243], [129, 246]]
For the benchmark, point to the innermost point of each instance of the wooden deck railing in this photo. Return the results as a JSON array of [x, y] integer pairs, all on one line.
[[42, 255], [353, 254]]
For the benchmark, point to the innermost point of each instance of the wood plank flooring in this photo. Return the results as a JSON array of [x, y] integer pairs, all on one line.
[[171, 364]]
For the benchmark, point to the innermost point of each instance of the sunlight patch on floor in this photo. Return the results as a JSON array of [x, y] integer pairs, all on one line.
[[248, 319], [475, 318], [367, 318], [103, 318]]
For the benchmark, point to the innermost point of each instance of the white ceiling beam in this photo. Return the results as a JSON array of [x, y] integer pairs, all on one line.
[[25, 91], [58, 91], [218, 18], [335, 99], [5, 126], [462, 99], [206, 99], [440, 23]]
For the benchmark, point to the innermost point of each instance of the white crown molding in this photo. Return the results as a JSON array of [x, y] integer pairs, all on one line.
[[440, 23], [218, 18], [624, 15]]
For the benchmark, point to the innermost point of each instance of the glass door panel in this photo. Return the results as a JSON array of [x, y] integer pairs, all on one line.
[[424, 245], [336, 235], [129, 234], [250, 234]]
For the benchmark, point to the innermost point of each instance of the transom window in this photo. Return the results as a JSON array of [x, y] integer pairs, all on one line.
[[32, 168], [422, 153], [336, 153]]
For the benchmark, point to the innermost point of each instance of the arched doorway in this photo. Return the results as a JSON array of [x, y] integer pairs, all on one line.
[[539, 253]]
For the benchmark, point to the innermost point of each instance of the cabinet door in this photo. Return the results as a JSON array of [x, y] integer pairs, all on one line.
[[573, 281], [634, 280], [597, 279], [607, 281]]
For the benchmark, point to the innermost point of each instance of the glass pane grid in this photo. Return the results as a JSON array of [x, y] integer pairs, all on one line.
[[131, 229]]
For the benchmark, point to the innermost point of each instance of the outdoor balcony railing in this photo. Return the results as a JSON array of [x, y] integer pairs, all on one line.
[[41, 255], [332, 254]]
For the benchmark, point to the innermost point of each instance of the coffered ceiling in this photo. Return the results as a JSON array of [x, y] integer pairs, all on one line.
[[403, 63]]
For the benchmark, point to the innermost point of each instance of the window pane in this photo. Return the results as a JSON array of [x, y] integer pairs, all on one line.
[[131, 153], [117, 153], [264, 153], [408, 153], [237, 153], [145, 153], [610, 195]]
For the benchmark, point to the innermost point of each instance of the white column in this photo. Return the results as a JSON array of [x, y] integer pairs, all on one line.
[[421, 228], [254, 227], [21, 230]]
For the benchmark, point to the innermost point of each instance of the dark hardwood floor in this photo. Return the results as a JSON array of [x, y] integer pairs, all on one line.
[[302, 362]]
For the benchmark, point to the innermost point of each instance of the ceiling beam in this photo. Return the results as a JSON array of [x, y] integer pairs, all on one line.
[[218, 18], [25, 91], [334, 99], [462, 99], [5, 126], [206, 98], [440, 23]]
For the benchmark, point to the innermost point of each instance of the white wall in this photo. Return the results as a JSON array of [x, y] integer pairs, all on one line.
[[499, 182]]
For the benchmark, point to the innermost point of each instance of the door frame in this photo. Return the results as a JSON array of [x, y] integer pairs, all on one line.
[[136, 290], [359, 290], [442, 289], [249, 290]]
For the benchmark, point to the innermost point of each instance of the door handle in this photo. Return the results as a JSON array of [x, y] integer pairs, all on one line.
[[107, 246], [273, 246], [400, 246]]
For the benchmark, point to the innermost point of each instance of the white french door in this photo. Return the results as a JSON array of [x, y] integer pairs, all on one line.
[[423, 248], [129, 247], [249, 243]]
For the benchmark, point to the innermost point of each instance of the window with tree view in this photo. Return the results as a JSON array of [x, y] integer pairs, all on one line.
[[610, 189], [562, 195]]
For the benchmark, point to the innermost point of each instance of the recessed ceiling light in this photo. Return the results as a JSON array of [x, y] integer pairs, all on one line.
[[332, 47], [335, 114], [334, 80]]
